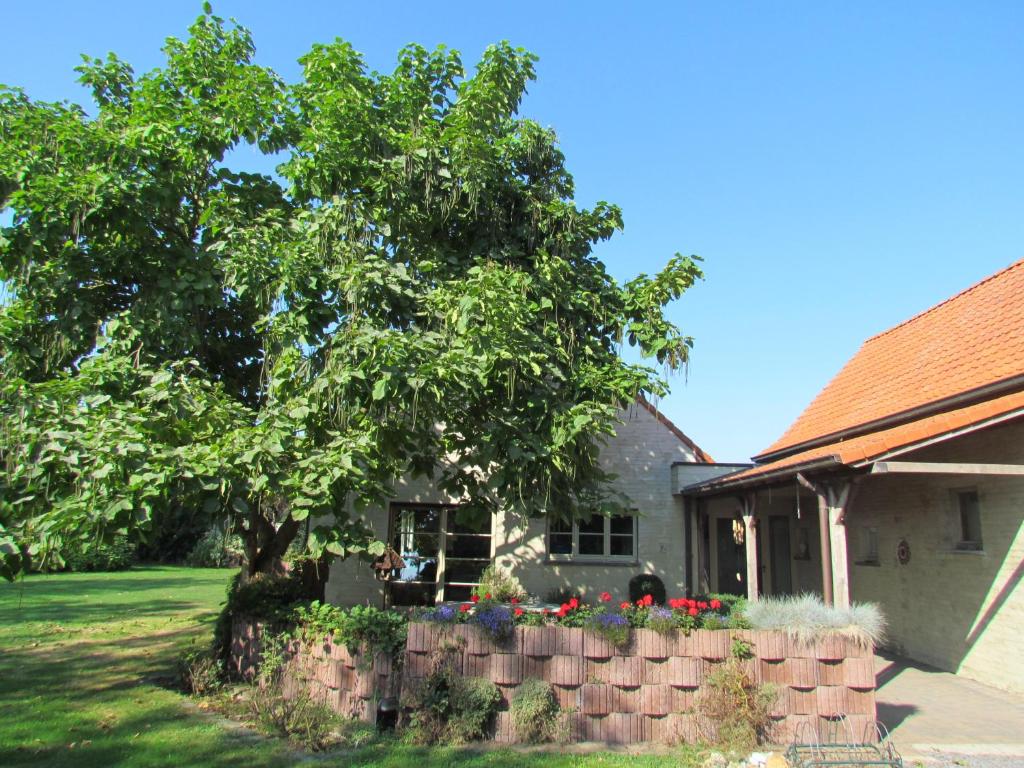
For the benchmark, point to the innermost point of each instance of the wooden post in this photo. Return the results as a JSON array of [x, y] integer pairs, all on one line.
[[826, 548], [833, 501], [840, 568], [750, 541], [703, 581]]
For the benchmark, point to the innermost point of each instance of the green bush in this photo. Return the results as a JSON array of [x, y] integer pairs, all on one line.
[[297, 717], [449, 708], [360, 628], [216, 550], [501, 586], [646, 584], [118, 555], [734, 710], [200, 670], [535, 712]]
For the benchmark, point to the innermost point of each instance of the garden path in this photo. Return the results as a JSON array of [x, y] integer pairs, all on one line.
[[939, 717]]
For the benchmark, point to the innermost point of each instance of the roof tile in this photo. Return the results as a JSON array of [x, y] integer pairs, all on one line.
[[969, 341]]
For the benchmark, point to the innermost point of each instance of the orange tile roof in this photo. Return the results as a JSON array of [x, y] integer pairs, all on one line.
[[970, 341], [875, 444]]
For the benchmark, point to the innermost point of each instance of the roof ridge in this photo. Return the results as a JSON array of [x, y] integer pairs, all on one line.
[[954, 297]]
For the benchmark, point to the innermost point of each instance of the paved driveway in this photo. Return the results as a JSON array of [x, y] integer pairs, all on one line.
[[938, 717]]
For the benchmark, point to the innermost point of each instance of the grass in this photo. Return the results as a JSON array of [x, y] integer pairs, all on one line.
[[807, 618], [86, 662]]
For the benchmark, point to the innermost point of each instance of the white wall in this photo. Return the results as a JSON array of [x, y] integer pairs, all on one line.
[[959, 611]]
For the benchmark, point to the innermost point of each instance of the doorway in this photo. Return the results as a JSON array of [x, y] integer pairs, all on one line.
[[732, 556], [780, 556]]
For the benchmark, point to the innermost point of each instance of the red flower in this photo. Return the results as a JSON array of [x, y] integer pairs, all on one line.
[[702, 605], [624, 605], [562, 611], [518, 611], [514, 601], [574, 603], [606, 597], [716, 604], [648, 600], [465, 607], [693, 611], [546, 611], [475, 598], [640, 603], [487, 596]]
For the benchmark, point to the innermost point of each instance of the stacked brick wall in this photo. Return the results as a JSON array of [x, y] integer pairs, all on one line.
[[351, 684], [646, 691]]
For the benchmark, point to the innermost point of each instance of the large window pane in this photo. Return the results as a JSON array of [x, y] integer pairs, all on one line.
[[591, 544], [468, 545], [464, 571], [621, 546], [594, 525], [622, 524]]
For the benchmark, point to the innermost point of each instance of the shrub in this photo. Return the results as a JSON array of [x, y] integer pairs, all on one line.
[[216, 549], [646, 584], [200, 670], [449, 708], [535, 712], [734, 710], [361, 629], [806, 618], [270, 599], [500, 585], [297, 717], [117, 555]]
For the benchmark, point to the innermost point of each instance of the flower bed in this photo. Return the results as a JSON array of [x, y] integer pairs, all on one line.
[[642, 689]]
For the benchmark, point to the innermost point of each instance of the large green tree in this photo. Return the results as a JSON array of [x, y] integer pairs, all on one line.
[[414, 291]]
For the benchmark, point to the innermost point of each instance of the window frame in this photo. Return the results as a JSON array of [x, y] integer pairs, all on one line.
[[606, 556], [869, 547], [960, 543], [440, 581]]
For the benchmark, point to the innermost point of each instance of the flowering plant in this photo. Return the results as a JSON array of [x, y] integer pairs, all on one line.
[[494, 620], [613, 627]]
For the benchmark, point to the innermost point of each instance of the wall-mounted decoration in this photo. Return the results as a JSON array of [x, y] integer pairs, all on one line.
[[903, 552]]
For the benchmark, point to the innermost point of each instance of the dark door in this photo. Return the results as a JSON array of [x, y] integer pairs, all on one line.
[[732, 558], [781, 558]]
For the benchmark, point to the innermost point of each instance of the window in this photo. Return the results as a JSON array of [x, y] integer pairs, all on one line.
[[444, 554], [970, 521], [597, 538], [868, 546]]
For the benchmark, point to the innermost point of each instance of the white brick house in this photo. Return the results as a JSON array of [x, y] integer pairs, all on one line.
[[902, 484], [445, 559]]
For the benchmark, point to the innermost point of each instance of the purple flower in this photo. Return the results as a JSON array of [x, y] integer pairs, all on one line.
[[495, 620], [443, 614]]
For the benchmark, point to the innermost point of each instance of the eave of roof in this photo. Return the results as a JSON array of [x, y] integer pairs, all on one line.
[[858, 451]]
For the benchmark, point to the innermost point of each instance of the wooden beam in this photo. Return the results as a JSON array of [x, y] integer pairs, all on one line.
[[825, 537], [749, 508], [944, 468]]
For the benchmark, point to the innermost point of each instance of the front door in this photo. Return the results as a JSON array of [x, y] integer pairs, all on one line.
[[732, 557], [780, 563]]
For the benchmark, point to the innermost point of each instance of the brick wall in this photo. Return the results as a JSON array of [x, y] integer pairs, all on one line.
[[644, 692], [959, 611]]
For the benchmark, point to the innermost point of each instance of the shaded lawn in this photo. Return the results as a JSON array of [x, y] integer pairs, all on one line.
[[85, 661]]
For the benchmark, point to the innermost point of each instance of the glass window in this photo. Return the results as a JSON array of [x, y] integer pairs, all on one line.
[[970, 521], [596, 537], [444, 555]]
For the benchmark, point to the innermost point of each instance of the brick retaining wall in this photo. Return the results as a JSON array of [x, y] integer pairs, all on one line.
[[644, 692]]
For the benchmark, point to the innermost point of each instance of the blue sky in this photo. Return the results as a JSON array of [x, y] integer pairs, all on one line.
[[840, 167]]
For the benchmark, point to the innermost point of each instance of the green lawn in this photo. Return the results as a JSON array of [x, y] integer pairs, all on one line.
[[85, 660]]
